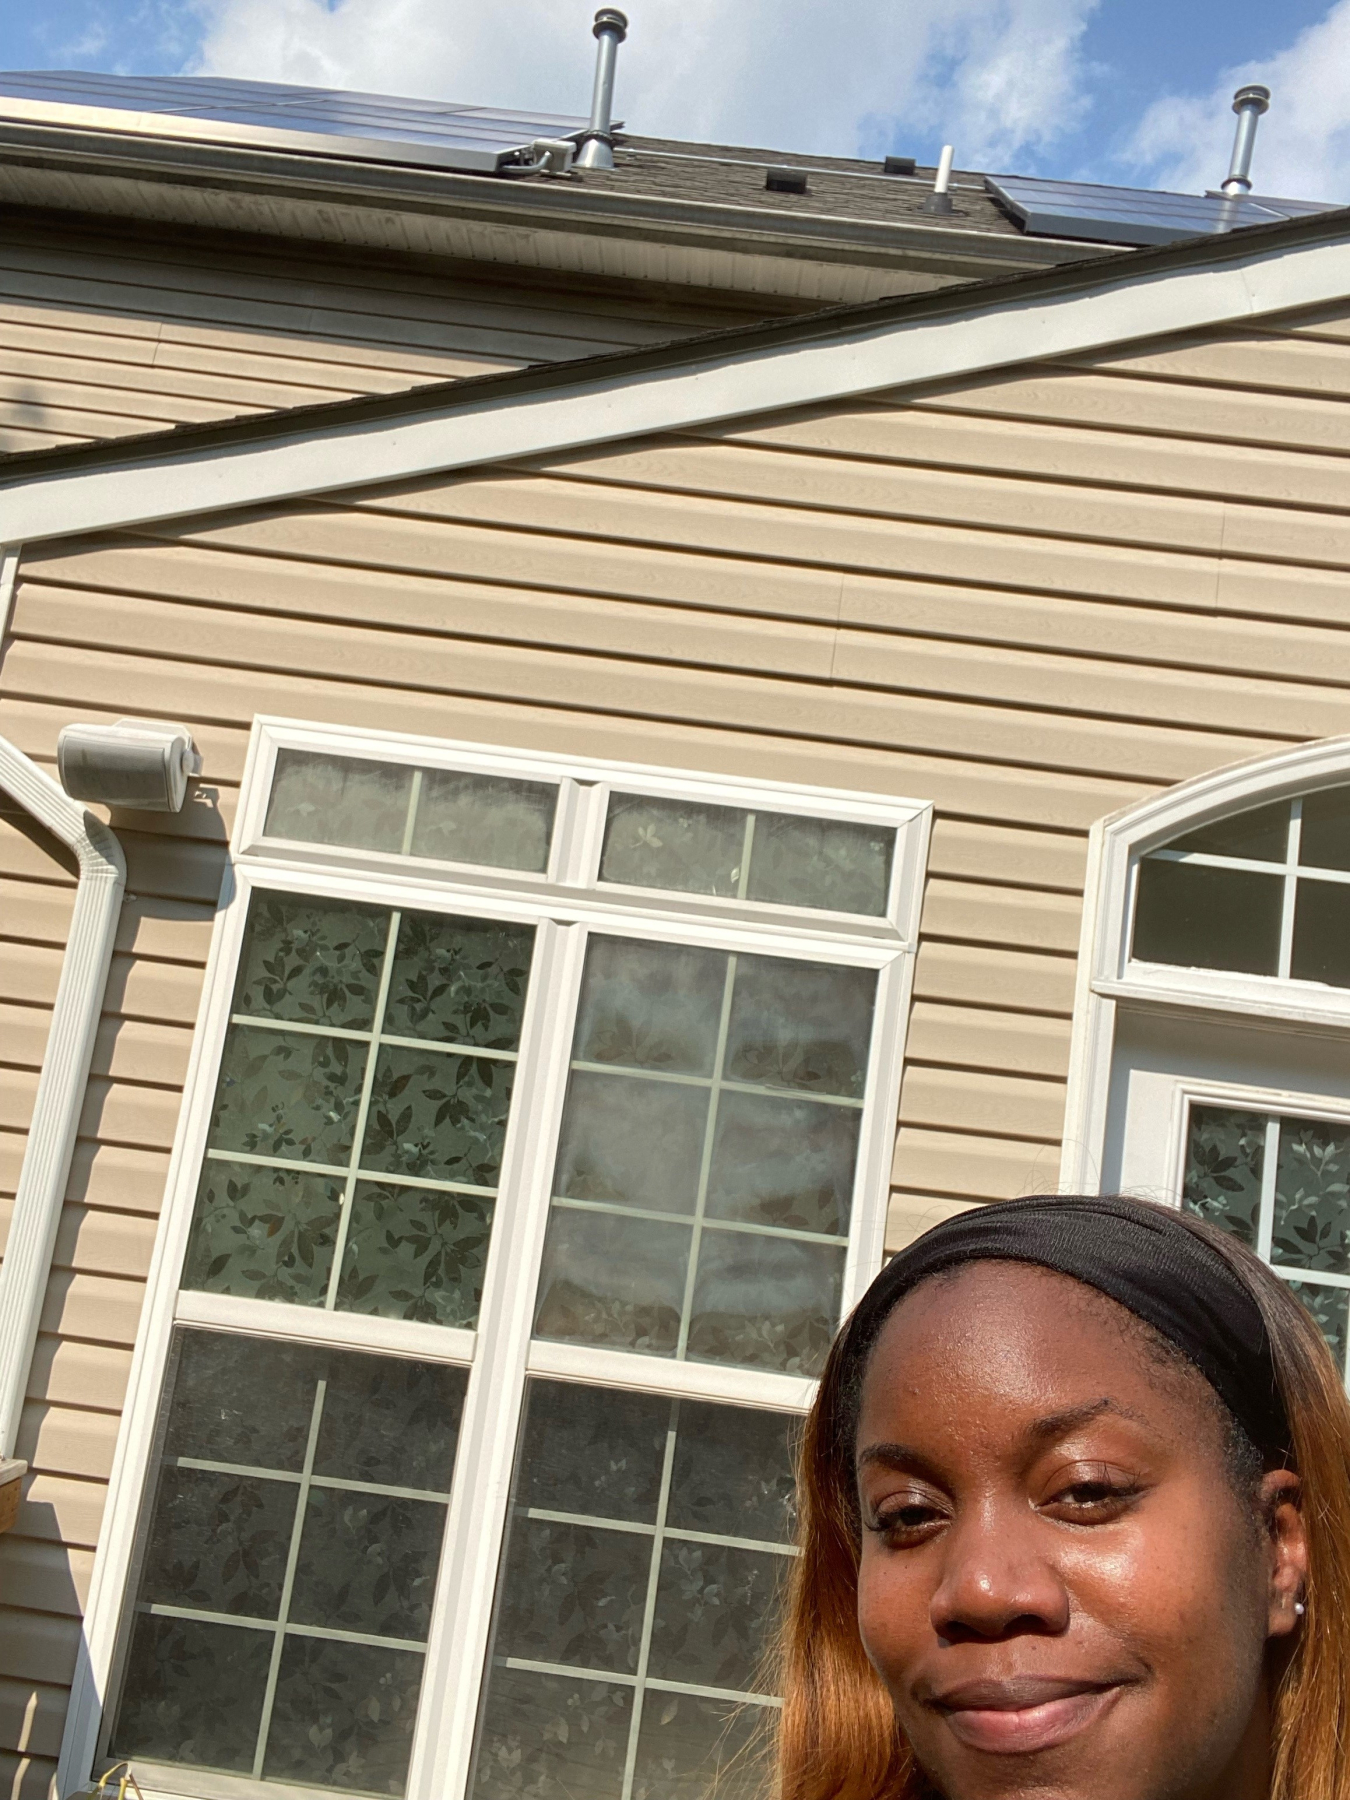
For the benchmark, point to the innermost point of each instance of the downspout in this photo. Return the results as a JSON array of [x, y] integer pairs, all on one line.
[[65, 1064]]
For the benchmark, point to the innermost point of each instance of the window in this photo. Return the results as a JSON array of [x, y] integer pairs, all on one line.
[[1210, 1066], [537, 1139]]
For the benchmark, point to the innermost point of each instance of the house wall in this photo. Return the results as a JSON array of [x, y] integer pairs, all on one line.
[[107, 329], [1031, 598]]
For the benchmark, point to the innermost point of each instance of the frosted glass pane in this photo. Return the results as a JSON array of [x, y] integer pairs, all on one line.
[[821, 863], [220, 1540], [1330, 1306], [679, 845], [784, 1162], [607, 1279], [459, 981], [1324, 841], [579, 1595], [339, 800], [1200, 917], [650, 1006], [488, 819], [1225, 1151], [316, 961], [801, 1025], [415, 1253], [267, 1234], [635, 1142], [285, 1094], [691, 1747], [765, 1302], [437, 1115], [1312, 1196]]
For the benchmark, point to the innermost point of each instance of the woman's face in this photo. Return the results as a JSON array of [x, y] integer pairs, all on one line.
[[1059, 1585]]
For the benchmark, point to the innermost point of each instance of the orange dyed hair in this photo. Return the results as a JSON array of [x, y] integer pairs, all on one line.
[[837, 1738]]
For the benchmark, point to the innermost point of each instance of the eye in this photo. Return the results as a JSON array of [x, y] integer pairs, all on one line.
[[907, 1519], [1090, 1496]]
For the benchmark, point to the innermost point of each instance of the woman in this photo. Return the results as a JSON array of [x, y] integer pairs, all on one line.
[[1076, 1497]]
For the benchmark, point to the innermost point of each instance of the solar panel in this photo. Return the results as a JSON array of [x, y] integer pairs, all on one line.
[[315, 121], [1119, 215]]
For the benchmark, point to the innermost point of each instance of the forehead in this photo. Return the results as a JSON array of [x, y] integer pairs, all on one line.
[[998, 1342]]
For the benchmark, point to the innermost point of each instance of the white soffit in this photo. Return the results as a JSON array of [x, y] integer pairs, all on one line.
[[997, 332]]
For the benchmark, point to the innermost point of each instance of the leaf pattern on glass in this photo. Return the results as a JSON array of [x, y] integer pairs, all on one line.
[[319, 799], [368, 1563], [390, 1421], [239, 1400], [825, 864], [415, 1253], [573, 1594], [1330, 1306], [690, 1747], [608, 1279], [765, 1302], [288, 1095], [264, 1233], [312, 961], [219, 1542], [459, 981], [679, 845], [489, 819], [734, 1473], [717, 1611], [594, 1451], [788, 1163], [650, 1006], [438, 1114], [192, 1693], [1312, 1196], [551, 1737], [634, 1141], [1225, 1151], [801, 1025], [344, 1716]]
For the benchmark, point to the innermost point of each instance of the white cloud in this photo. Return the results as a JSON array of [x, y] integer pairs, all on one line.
[[1303, 143], [998, 78]]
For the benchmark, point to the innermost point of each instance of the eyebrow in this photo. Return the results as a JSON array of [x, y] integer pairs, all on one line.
[[1040, 1431]]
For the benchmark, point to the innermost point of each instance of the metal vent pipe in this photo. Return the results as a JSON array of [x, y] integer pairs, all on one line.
[[597, 141], [1248, 103]]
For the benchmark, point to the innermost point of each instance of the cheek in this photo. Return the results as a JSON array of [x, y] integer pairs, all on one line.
[[894, 1597]]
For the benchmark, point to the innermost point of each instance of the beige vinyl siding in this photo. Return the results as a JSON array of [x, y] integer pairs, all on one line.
[[1031, 599], [106, 330]]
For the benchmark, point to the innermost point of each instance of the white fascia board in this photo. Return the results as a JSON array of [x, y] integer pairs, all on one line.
[[729, 385]]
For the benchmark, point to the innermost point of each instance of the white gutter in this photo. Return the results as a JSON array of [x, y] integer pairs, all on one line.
[[1120, 307], [65, 1065]]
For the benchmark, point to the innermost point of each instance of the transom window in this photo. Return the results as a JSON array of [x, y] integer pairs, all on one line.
[[539, 1139], [1261, 892]]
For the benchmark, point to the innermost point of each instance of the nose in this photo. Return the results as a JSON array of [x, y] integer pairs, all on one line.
[[997, 1581]]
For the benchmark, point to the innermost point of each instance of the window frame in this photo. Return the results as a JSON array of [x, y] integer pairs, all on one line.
[[1108, 979], [565, 904]]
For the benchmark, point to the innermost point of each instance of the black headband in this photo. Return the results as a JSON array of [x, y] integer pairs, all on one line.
[[1140, 1255]]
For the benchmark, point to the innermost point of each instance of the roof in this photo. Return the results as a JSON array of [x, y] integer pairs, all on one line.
[[823, 357]]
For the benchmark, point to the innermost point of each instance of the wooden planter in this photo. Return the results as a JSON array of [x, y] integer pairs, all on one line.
[[11, 1486]]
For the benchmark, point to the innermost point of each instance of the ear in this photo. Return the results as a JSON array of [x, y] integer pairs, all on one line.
[[1286, 1548]]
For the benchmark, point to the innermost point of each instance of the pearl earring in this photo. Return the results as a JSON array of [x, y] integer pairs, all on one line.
[[1299, 1609]]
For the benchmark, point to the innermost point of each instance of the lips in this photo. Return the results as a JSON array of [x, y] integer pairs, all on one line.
[[1022, 1715]]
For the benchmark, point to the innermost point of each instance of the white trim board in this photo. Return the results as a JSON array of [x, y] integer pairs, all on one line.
[[993, 332]]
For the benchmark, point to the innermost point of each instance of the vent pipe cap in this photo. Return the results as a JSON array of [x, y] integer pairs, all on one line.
[[140, 763], [597, 141], [1248, 103]]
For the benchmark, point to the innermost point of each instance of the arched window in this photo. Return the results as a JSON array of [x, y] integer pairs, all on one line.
[[1211, 1063]]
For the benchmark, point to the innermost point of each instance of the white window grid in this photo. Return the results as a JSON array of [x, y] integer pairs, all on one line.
[[501, 1354], [1275, 1108]]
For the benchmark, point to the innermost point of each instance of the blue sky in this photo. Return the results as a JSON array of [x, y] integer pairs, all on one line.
[[1105, 90]]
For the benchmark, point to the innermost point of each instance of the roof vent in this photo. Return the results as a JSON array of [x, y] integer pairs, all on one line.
[[597, 141], [940, 201], [785, 181], [1248, 103], [898, 165]]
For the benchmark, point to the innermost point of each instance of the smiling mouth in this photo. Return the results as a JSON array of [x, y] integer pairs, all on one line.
[[1013, 1723]]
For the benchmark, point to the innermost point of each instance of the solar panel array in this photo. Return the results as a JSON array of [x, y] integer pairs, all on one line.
[[1119, 215], [316, 121]]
